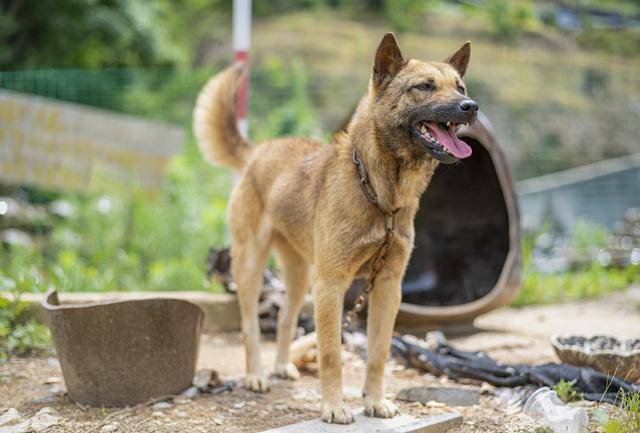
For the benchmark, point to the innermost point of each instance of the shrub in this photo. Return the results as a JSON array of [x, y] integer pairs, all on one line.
[[19, 334]]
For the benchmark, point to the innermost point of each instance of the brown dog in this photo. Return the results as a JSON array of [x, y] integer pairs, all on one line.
[[304, 200]]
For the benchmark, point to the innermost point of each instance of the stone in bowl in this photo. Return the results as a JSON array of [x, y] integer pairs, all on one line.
[[607, 354], [123, 353]]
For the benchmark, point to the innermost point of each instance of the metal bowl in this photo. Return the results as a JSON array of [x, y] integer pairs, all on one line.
[[125, 352], [607, 354]]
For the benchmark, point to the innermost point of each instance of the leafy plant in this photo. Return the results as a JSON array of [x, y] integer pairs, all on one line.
[[19, 334], [567, 391]]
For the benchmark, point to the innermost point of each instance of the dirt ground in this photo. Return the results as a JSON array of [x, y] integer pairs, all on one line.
[[516, 336]]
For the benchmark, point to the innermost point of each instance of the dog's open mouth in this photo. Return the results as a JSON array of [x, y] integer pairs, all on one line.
[[441, 140]]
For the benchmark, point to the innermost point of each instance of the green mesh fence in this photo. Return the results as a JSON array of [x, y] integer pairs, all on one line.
[[164, 94], [547, 117]]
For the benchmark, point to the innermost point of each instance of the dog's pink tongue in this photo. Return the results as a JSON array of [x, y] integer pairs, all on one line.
[[447, 137]]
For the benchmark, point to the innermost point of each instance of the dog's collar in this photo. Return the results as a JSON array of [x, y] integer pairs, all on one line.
[[368, 190]]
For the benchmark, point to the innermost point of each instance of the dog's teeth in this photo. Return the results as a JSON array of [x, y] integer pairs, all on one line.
[[448, 124]]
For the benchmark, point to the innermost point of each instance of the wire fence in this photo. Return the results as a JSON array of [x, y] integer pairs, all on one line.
[[560, 119], [546, 118]]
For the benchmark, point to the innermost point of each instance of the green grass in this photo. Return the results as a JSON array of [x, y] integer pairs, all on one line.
[[586, 282], [592, 282], [625, 418]]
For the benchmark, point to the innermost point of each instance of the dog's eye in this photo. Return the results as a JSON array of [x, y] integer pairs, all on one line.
[[425, 87], [461, 89]]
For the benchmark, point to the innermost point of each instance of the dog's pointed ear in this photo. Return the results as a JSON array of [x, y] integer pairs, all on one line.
[[460, 59], [388, 60]]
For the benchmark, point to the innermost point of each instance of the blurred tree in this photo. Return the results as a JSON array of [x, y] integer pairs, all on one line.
[[509, 19], [407, 14], [200, 28], [82, 33]]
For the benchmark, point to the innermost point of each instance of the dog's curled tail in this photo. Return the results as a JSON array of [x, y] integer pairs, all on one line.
[[214, 120]]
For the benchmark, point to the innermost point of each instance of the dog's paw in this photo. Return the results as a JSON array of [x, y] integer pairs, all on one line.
[[379, 408], [287, 371], [257, 382], [337, 413]]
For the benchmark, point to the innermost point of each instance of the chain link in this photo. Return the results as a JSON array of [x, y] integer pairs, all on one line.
[[380, 255]]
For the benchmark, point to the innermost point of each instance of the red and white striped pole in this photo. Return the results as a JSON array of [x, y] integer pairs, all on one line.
[[241, 43]]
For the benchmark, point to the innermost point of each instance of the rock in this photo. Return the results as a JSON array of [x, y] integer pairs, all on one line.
[[44, 419], [448, 396], [52, 380], [434, 339], [162, 405], [12, 422], [205, 379], [53, 362], [191, 392], [109, 428], [47, 399], [229, 385], [23, 427], [57, 389], [54, 391], [306, 394], [10, 417]]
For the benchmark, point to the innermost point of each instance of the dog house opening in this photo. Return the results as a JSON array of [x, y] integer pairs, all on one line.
[[462, 234]]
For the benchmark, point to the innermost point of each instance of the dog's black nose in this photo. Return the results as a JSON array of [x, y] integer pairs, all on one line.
[[469, 105]]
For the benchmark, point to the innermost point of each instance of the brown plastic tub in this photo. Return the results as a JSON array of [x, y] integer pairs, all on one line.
[[125, 352]]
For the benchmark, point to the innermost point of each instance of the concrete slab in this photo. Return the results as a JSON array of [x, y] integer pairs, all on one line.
[[448, 396], [402, 423]]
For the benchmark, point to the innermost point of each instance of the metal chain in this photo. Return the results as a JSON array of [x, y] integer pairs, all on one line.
[[380, 255]]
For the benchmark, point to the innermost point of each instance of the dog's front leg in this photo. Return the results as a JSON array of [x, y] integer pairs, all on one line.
[[384, 301], [328, 298]]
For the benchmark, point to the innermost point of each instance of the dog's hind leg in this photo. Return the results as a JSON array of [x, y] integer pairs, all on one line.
[[295, 272], [250, 251]]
